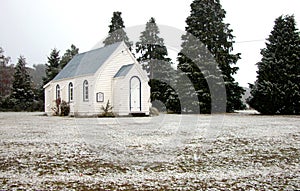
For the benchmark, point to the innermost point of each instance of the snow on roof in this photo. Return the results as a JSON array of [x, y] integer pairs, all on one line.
[[86, 63], [123, 70]]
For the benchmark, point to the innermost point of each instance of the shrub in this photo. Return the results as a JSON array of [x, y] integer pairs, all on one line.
[[57, 106], [64, 108], [6, 104], [107, 110]]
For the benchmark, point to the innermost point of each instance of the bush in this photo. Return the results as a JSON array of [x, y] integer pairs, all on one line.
[[6, 104], [11, 104], [57, 106], [107, 111], [64, 108]]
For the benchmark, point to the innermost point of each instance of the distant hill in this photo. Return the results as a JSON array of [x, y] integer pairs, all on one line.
[[7, 76], [37, 73], [6, 80]]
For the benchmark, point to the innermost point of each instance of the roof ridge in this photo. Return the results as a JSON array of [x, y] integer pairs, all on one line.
[[96, 49], [87, 62]]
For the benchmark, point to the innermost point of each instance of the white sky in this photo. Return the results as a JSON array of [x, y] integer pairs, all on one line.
[[34, 27]]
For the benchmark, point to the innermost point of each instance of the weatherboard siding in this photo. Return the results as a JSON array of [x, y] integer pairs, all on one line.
[[116, 90], [80, 106], [121, 92], [121, 96], [77, 105], [48, 99], [145, 90], [108, 71]]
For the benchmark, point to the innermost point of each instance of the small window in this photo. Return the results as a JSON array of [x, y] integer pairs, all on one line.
[[85, 90], [71, 92], [100, 97], [57, 91]]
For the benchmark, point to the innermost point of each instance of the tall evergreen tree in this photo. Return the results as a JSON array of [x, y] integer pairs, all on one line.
[[154, 54], [69, 54], [206, 24], [22, 91], [53, 66], [116, 31], [154, 59], [277, 88]]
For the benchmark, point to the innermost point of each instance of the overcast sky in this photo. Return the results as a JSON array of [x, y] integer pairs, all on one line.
[[33, 27]]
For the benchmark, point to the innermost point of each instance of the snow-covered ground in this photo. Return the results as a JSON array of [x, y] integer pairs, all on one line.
[[179, 152]]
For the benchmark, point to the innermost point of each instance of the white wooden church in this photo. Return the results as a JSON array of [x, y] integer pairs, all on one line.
[[92, 78]]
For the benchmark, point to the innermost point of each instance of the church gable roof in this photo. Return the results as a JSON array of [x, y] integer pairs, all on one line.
[[87, 63], [123, 70]]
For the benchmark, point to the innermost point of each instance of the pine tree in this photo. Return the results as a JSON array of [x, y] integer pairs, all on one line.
[[154, 59], [194, 62], [22, 92], [154, 54], [206, 24], [53, 66], [116, 31], [69, 54], [277, 88]]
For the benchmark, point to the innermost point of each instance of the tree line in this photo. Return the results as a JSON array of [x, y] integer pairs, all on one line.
[[276, 90], [209, 65], [21, 87]]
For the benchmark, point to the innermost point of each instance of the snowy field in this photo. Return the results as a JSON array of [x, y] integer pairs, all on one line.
[[168, 152]]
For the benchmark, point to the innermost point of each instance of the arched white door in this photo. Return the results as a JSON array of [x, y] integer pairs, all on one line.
[[135, 94]]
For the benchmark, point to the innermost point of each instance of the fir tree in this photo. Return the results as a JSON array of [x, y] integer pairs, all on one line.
[[69, 54], [116, 31], [154, 59], [53, 66], [194, 62], [154, 54], [206, 24], [22, 92], [277, 88]]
